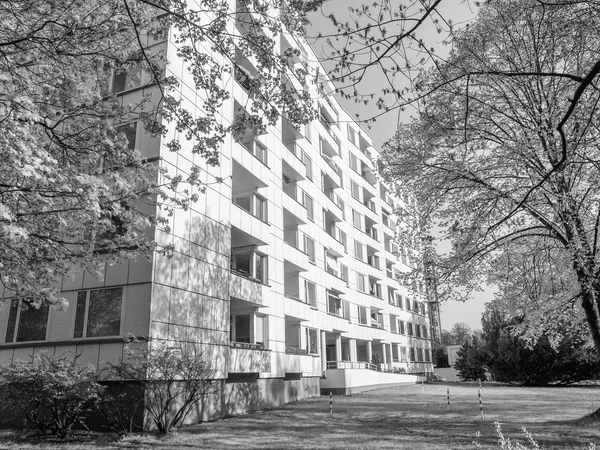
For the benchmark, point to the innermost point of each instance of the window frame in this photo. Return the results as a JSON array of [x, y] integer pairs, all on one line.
[[14, 318], [86, 312]]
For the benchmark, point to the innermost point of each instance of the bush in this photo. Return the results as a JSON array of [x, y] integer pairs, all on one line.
[[171, 379], [52, 393]]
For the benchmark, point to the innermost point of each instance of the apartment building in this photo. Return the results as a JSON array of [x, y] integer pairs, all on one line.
[[286, 272]]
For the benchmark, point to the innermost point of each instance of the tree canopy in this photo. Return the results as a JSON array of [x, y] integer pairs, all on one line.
[[504, 148], [75, 191]]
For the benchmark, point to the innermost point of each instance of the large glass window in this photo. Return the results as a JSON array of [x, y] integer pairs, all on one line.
[[98, 313], [250, 264], [254, 204], [26, 322]]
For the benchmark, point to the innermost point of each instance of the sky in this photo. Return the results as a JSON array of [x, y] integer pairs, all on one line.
[[459, 12]]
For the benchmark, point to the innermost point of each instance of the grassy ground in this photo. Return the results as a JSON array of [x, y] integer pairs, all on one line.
[[406, 417]]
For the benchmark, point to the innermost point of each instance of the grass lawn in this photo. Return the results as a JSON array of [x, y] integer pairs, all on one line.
[[391, 418]]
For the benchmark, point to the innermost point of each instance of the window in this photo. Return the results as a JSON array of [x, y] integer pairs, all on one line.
[[360, 282], [344, 272], [412, 354], [410, 329], [331, 265], [260, 330], [351, 135], [357, 220], [240, 328], [337, 307], [130, 132], [393, 324], [98, 313], [128, 78], [385, 218], [254, 204], [418, 330], [355, 190], [307, 202], [257, 149], [312, 341], [310, 293], [399, 300], [308, 163], [376, 319], [26, 322], [353, 162], [362, 315], [401, 327], [358, 250], [250, 264], [374, 289], [309, 248], [346, 309], [343, 239], [407, 302], [403, 353]]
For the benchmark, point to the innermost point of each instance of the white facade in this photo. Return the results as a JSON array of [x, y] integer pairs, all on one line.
[[283, 271]]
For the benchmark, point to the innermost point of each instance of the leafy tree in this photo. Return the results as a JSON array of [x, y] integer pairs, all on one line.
[[460, 332], [171, 378], [510, 358], [504, 147], [469, 361], [53, 394], [440, 357], [74, 193]]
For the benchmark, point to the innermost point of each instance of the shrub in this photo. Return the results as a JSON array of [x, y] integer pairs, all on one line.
[[172, 380], [52, 393]]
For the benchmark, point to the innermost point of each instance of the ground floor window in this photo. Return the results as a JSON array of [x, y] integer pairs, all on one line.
[[98, 313], [26, 322], [248, 328]]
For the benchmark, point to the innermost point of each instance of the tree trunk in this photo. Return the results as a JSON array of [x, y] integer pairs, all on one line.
[[592, 314]]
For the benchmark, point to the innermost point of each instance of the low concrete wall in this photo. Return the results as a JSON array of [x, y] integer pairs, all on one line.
[[350, 381]]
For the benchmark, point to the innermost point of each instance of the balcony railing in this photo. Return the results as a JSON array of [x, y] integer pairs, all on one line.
[[350, 365]]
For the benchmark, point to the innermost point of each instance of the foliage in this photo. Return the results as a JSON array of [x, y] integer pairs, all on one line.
[[122, 407], [509, 358], [504, 147], [469, 362], [75, 192], [440, 357], [171, 377], [54, 394]]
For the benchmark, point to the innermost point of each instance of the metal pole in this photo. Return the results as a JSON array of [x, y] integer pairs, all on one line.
[[330, 404], [448, 394], [481, 405]]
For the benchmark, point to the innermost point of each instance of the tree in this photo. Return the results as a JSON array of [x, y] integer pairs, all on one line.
[[469, 361], [171, 378], [460, 332], [510, 358], [504, 148], [74, 190]]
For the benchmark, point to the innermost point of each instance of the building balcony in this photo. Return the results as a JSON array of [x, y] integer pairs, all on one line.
[[248, 358]]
